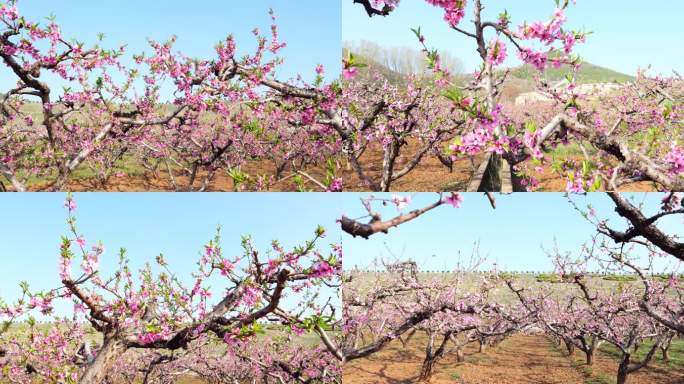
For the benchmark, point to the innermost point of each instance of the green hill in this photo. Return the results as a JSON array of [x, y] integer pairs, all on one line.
[[588, 73]]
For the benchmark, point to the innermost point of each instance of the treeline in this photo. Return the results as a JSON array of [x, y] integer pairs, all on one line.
[[539, 275], [404, 61]]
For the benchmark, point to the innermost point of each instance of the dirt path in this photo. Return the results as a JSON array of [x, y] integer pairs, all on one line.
[[520, 359]]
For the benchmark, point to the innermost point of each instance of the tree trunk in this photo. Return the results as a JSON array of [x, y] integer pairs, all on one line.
[[483, 346], [665, 347], [429, 361], [590, 349], [491, 180], [96, 372], [623, 370], [426, 369], [388, 162], [460, 356], [590, 356], [570, 347], [666, 355]]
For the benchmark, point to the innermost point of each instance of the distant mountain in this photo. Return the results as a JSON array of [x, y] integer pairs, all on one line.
[[524, 74], [588, 73]]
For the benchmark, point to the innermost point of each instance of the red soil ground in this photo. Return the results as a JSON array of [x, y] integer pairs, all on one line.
[[429, 176], [520, 359]]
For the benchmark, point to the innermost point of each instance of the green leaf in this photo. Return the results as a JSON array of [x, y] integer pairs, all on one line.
[[454, 93]]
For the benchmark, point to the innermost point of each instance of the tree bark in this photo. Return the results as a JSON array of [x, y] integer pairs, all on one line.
[[491, 180], [666, 354], [426, 370], [665, 347], [570, 347], [590, 349], [623, 370], [590, 356], [96, 372], [460, 355], [429, 361]]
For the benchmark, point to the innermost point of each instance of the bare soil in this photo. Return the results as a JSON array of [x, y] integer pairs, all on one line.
[[429, 176], [520, 359]]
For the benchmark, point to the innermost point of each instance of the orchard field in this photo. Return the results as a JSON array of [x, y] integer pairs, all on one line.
[[608, 312], [253, 317], [97, 117], [527, 356], [22, 332]]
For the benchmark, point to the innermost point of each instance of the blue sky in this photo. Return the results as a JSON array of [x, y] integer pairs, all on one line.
[[147, 224], [311, 29], [626, 34], [512, 235]]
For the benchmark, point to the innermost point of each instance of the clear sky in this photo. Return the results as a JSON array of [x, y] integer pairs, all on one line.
[[512, 235], [626, 34], [311, 29], [147, 224]]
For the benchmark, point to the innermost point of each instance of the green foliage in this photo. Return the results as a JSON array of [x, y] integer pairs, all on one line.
[[621, 278], [238, 177], [548, 278], [354, 61], [313, 321], [299, 183]]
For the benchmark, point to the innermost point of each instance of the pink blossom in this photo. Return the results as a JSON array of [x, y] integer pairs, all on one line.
[[496, 54], [675, 159], [226, 267], [349, 73], [336, 185], [322, 269], [575, 186], [401, 201], [64, 268], [70, 204], [454, 199], [251, 296], [297, 331]]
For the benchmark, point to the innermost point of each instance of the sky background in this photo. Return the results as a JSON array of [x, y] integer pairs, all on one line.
[[179, 224], [147, 224], [511, 236], [626, 34], [311, 29]]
